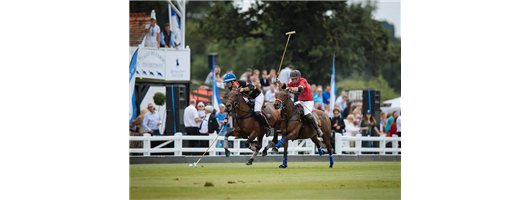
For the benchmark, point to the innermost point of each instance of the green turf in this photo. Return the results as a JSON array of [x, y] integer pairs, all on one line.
[[301, 180]]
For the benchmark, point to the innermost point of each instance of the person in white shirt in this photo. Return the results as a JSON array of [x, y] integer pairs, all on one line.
[[285, 73], [152, 120], [191, 119], [152, 33], [269, 95], [200, 107], [203, 127], [351, 128], [191, 126]]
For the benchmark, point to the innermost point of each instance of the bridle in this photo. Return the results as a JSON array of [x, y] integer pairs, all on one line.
[[235, 104], [283, 105]]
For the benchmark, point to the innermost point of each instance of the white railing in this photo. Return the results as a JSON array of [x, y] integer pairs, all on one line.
[[342, 144]]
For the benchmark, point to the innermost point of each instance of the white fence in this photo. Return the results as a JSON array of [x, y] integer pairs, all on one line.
[[342, 144]]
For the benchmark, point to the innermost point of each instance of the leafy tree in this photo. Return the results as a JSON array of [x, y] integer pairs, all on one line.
[[360, 42]]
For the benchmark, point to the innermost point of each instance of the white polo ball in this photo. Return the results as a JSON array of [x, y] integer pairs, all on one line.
[[191, 165]]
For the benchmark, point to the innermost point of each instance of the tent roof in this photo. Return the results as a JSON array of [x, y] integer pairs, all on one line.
[[394, 102]]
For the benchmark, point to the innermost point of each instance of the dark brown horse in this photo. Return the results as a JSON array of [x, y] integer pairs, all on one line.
[[246, 126], [293, 126]]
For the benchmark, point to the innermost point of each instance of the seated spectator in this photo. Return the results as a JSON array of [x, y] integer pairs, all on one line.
[[139, 129], [341, 101], [313, 89]]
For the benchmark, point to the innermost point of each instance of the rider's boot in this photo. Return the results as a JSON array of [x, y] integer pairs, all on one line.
[[312, 121]]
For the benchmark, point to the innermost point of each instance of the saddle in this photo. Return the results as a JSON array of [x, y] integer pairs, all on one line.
[[265, 111], [301, 108]]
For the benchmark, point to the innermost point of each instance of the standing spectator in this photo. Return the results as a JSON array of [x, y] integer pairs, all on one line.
[[230, 71], [139, 121], [398, 125], [217, 76], [191, 119], [341, 101], [140, 130], [393, 129], [351, 126], [389, 121], [200, 109], [269, 95], [221, 119], [317, 97], [264, 81], [165, 37], [272, 75], [314, 88], [337, 122], [246, 75], [326, 95], [382, 118], [357, 109], [369, 127], [284, 74], [152, 33], [347, 109], [152, 120], [208, 124]]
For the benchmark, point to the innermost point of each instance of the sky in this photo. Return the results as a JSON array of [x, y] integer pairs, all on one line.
[[386, 10]]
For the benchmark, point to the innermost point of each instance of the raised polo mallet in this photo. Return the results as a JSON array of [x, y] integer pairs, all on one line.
[[288, 33], [195, 163]]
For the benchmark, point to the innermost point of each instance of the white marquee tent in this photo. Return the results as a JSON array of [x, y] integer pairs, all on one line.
[[391, 105]]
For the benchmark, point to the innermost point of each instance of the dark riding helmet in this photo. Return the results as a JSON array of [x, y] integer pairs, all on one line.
[[295, 74]]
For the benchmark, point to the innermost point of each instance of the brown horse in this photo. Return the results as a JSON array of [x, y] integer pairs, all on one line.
[[246, 126], [293, 126]]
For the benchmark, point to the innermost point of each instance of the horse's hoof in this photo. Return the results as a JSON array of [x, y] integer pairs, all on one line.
[[249, 162], [264, 153], [227, 153], [275, 150], [331, 166], [283, 166]]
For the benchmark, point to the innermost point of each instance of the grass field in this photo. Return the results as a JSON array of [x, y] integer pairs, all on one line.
[[301, 180]]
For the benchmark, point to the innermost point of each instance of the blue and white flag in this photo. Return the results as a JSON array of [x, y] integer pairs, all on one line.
[[333, 88], [174, 25], [132, 98], [216, 99]]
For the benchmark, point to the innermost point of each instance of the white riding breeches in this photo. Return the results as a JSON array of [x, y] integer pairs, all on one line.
[[308, 106], [258, 102]]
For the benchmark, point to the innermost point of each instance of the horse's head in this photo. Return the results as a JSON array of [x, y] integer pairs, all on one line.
[[233, 100], [281, 97]]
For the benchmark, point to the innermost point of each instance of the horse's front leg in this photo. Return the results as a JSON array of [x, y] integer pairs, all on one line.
[[227, 152], [253, 149], [285, 147]]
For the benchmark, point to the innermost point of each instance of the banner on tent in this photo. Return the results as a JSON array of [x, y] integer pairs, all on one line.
[[164, 64]]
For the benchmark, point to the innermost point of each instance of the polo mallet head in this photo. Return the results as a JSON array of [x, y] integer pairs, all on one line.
[[288, 33]]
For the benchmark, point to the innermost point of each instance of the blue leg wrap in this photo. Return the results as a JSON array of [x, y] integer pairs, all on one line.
[[320, 151], [331, 158], [285, 160], [280, 143]]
